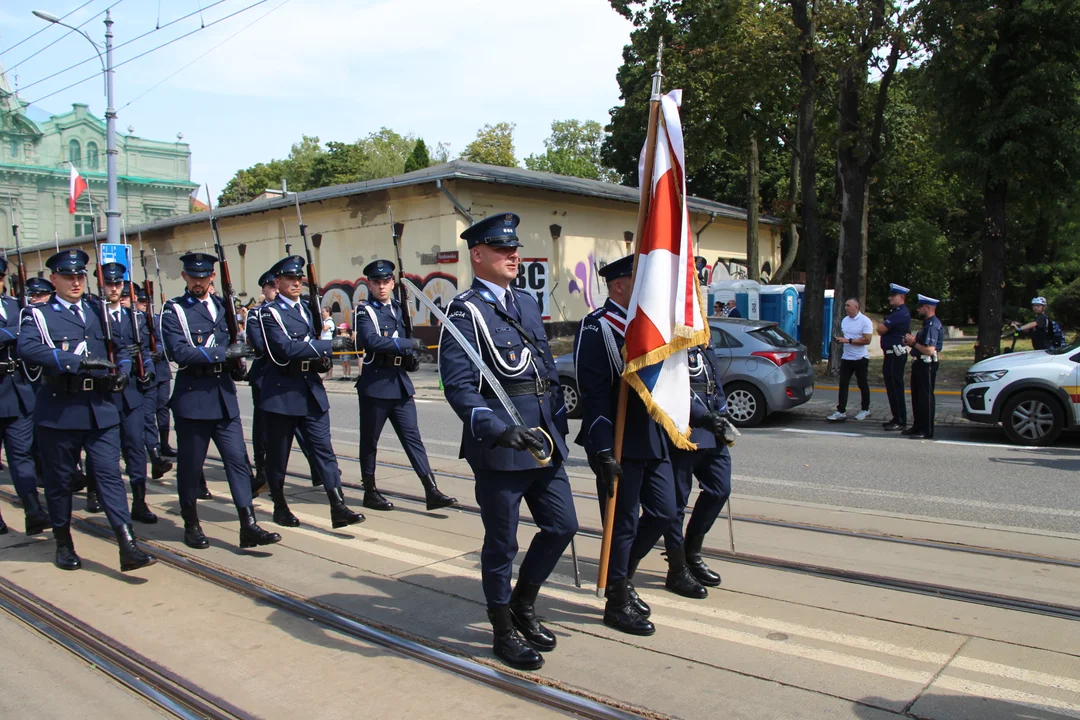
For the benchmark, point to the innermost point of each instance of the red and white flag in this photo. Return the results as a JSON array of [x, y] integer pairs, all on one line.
[[78, 185], [666, 314]]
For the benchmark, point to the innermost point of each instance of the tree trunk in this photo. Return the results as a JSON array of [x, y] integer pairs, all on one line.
[[993, 269], [861, 294], [813, 304], [790, 250], [753, 203]]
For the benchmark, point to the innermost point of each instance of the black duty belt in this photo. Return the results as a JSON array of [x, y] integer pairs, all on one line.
[[296, 367], [204, 370], [540, 387], [79, 383], [7, 367], [705, 387], [388, 360]]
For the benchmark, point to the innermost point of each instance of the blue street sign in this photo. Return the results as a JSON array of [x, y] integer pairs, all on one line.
[[117, 253]]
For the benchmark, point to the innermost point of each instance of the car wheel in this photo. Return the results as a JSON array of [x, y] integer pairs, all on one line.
[[746, 405], [571, 397], [1032, 418]]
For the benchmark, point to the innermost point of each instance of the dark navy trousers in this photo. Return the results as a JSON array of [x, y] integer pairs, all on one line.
[[193, 440], [133, 443], [923, 404], [164, 392], [546, 492], [17, 434], [315, 429], [258, 437], [892, 371], [712, 468], [60, 454], [374, 412], [151, 402]]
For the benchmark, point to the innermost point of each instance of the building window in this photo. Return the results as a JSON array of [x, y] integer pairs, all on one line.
[[84, 225], [91, 156], [75, 153], [13, 148]]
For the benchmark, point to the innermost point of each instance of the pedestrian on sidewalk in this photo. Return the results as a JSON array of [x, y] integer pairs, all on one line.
[[924, 367], [327, 333], [892, 329], [348, 346], [857, 332]]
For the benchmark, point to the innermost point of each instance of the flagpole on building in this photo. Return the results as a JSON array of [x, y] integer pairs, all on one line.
[[624, 387]]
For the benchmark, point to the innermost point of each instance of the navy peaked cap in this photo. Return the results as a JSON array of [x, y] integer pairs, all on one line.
[[68, 262], [3, 265], [267, 278], [113, 272], [39, 286], [498, 230], [292, 266], [140, 292], [623, 267], [198, 264], [379, 269]]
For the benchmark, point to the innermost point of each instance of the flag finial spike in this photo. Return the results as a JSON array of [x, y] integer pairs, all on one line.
[[658, 75]]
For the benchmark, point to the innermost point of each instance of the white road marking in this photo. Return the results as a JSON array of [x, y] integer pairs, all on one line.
[[1015, 673], [822, 432], [999, 446], [982, 690]]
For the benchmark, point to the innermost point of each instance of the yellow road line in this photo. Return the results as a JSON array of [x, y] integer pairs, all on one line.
[[881, 390]]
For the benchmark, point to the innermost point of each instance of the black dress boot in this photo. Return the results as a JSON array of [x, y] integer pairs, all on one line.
[[621, 614], [36, 517], [258, 482], [158, 464], [66, 559], [282, 514], [696, 565], [340, 515], [509, 646], [523, 613], [93, 504], [373, 499], [139, 510], [641, 605], [679, 580], [204, 491], [435, 497], [251, 535], [166, 450], [193, 534], [78, 479], [131, 557]]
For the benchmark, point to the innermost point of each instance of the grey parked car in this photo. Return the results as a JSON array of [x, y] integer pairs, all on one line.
[[763, 369]]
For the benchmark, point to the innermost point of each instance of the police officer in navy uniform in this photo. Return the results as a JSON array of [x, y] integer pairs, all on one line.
[[384, 388], [712, 432], [925, 347], [893, 327], [152, 391], [646, 476], [16, 415], [293, 395], [39, 290], [129, 403], [505, 326], [74, 409], [204, 401]]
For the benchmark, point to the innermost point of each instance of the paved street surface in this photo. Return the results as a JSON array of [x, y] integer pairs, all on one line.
[[767, 644]]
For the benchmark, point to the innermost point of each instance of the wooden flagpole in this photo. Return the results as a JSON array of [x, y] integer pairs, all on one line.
[[624, 387]]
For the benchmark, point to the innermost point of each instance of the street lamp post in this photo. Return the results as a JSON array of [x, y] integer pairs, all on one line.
[[112, 212]]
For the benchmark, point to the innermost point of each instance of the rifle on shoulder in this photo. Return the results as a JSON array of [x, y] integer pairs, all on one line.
[[314, 292]]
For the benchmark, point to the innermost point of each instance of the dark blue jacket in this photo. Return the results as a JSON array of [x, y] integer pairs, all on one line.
[[932, 334], [292, 345], [49, 336], [598, 364], [383, 336], [16, 392], [257, 368], [513, 362], [203, 388], [706, 392], [124, 335], [162, 368], [898, 321]]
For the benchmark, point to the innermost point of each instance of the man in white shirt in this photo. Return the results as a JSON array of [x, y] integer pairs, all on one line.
[[857, 332]]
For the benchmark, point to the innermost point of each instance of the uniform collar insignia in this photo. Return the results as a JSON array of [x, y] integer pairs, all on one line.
[[486, 294]]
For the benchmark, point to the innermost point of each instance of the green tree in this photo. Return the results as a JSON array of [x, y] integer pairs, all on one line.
[[573, 149], [494, 145], [252, 182], [385, 153], [418, 158], [341, 163]]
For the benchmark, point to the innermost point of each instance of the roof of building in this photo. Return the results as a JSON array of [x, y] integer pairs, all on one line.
[[453, 170]]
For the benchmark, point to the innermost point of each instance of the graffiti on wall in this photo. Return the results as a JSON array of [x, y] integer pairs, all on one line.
[[341, 296], [586, 283]]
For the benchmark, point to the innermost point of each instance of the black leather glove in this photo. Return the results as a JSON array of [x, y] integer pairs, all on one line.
[[158, 356], [239, 373], [118, 382], [519, 437], [92, 363], [147, 380], [710, 421], [238, 351], [325, 363], [608, 469], [419, 345], [132, 350], [412, 363], [719, 425]]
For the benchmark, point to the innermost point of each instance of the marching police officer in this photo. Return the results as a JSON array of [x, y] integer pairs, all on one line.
[[74, 410], [925, 347], [646, 476], [129, 403], [506, 328], [893, 327], [712, 432], [153, 391], [16, 415], [39, 290], [204, 403], [293, 395], [384, 388]]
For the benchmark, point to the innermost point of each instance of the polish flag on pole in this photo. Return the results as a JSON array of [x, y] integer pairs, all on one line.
[[666, 315], [78, 185]]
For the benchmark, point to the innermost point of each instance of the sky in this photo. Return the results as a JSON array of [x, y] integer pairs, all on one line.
[[336, 69]]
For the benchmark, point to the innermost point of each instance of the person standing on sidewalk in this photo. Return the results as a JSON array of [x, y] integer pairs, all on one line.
[[892, 329], [924, 367], [857, 331]]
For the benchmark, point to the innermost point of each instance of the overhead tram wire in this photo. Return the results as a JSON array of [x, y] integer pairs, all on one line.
[[69, 32], [153, 49], [43, 29], [117, 47]]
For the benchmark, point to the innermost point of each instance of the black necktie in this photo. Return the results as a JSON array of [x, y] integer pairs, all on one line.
[[78, 313], [511, 306]]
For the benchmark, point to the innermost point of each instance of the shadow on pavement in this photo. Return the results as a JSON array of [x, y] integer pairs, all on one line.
[[958, 707]]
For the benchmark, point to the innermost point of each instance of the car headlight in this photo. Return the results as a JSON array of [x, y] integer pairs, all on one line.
[[986, 376]]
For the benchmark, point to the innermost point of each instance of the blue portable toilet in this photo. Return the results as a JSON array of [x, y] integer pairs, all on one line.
[[746, 293], [826, 332], [781, 304]]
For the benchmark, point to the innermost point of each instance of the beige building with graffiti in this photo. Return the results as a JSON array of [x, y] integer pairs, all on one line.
[[569, 226]]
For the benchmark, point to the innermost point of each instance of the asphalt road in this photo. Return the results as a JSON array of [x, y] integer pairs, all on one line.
[[970, 473]]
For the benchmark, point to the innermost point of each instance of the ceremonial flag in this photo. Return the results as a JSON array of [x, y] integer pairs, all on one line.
[[78, 185], [666, 313]]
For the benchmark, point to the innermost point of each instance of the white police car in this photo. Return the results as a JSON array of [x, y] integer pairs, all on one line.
[[1034, 395]]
